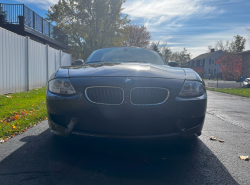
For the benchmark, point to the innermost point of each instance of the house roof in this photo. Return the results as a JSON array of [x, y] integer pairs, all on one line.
[[205, 55]]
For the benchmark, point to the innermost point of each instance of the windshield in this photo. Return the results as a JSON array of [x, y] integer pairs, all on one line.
[[125, 54]]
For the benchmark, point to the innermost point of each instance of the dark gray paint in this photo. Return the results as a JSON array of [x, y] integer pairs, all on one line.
[[131, 70]]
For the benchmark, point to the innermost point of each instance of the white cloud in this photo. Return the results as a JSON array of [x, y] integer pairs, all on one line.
[[156, 12], [43, 4], [164, 18], [197, 44], [167, 20]]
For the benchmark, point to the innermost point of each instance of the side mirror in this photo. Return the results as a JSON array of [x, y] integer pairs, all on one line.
[[78, 62], [173, 64]]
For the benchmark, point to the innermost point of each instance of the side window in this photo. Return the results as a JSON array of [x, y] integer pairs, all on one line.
[[209, 61], [212, 61]]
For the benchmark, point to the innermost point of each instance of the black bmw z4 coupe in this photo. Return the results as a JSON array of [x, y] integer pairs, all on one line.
[[126, 92]]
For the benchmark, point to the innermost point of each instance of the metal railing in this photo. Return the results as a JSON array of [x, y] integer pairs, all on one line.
[[19, 13], [11, 12]]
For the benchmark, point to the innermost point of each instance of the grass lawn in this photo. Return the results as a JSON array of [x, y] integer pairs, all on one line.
[[240, 92], [20, 111]]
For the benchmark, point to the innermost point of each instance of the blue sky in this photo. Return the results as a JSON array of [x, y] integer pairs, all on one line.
[[193, 24]]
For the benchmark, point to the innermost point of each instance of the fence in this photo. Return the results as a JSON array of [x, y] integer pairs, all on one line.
[[17, 13], [26, 64]]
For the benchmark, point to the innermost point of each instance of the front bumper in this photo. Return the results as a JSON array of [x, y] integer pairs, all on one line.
[[176, 118], [184, 133]]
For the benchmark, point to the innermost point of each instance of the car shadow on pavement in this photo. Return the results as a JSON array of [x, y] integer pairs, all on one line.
[[45, 159]]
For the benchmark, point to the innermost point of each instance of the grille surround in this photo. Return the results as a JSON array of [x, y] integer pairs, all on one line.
[[150, 104], [111, 87]]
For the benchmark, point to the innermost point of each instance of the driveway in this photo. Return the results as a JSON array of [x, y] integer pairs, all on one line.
[[223, 84], [36, 157]]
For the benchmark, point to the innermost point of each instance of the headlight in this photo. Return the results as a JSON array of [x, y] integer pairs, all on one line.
[[61, 86], [192, 89]]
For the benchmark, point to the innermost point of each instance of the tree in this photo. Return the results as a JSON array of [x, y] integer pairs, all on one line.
[[220, 45], [182, 58], [166, 52], [90, 24], [136, 36], [237, 45], [230, 64], [155, 47]]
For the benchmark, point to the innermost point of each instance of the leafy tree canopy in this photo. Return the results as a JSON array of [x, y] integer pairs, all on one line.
[[155, 46], [182, 58], [134, 35], [166, 52], [231, 64], [236, 45], [90, 24]]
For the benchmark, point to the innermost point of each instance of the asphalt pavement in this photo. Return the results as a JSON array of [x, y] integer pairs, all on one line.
[[37, 157]]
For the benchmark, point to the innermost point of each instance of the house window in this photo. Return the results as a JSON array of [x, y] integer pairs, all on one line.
[[209, 61], [194, 63], [203, 62], [198, 62], [212, 61], [209, 71], [214, 71]]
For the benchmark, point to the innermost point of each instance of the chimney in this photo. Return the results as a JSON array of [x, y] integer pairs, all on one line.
[[212, 50]]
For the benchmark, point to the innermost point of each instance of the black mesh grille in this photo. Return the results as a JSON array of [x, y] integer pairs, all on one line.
[[105, 95], [149, 96]]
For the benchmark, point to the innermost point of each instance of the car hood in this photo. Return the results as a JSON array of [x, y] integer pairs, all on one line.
[[126, 70]]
